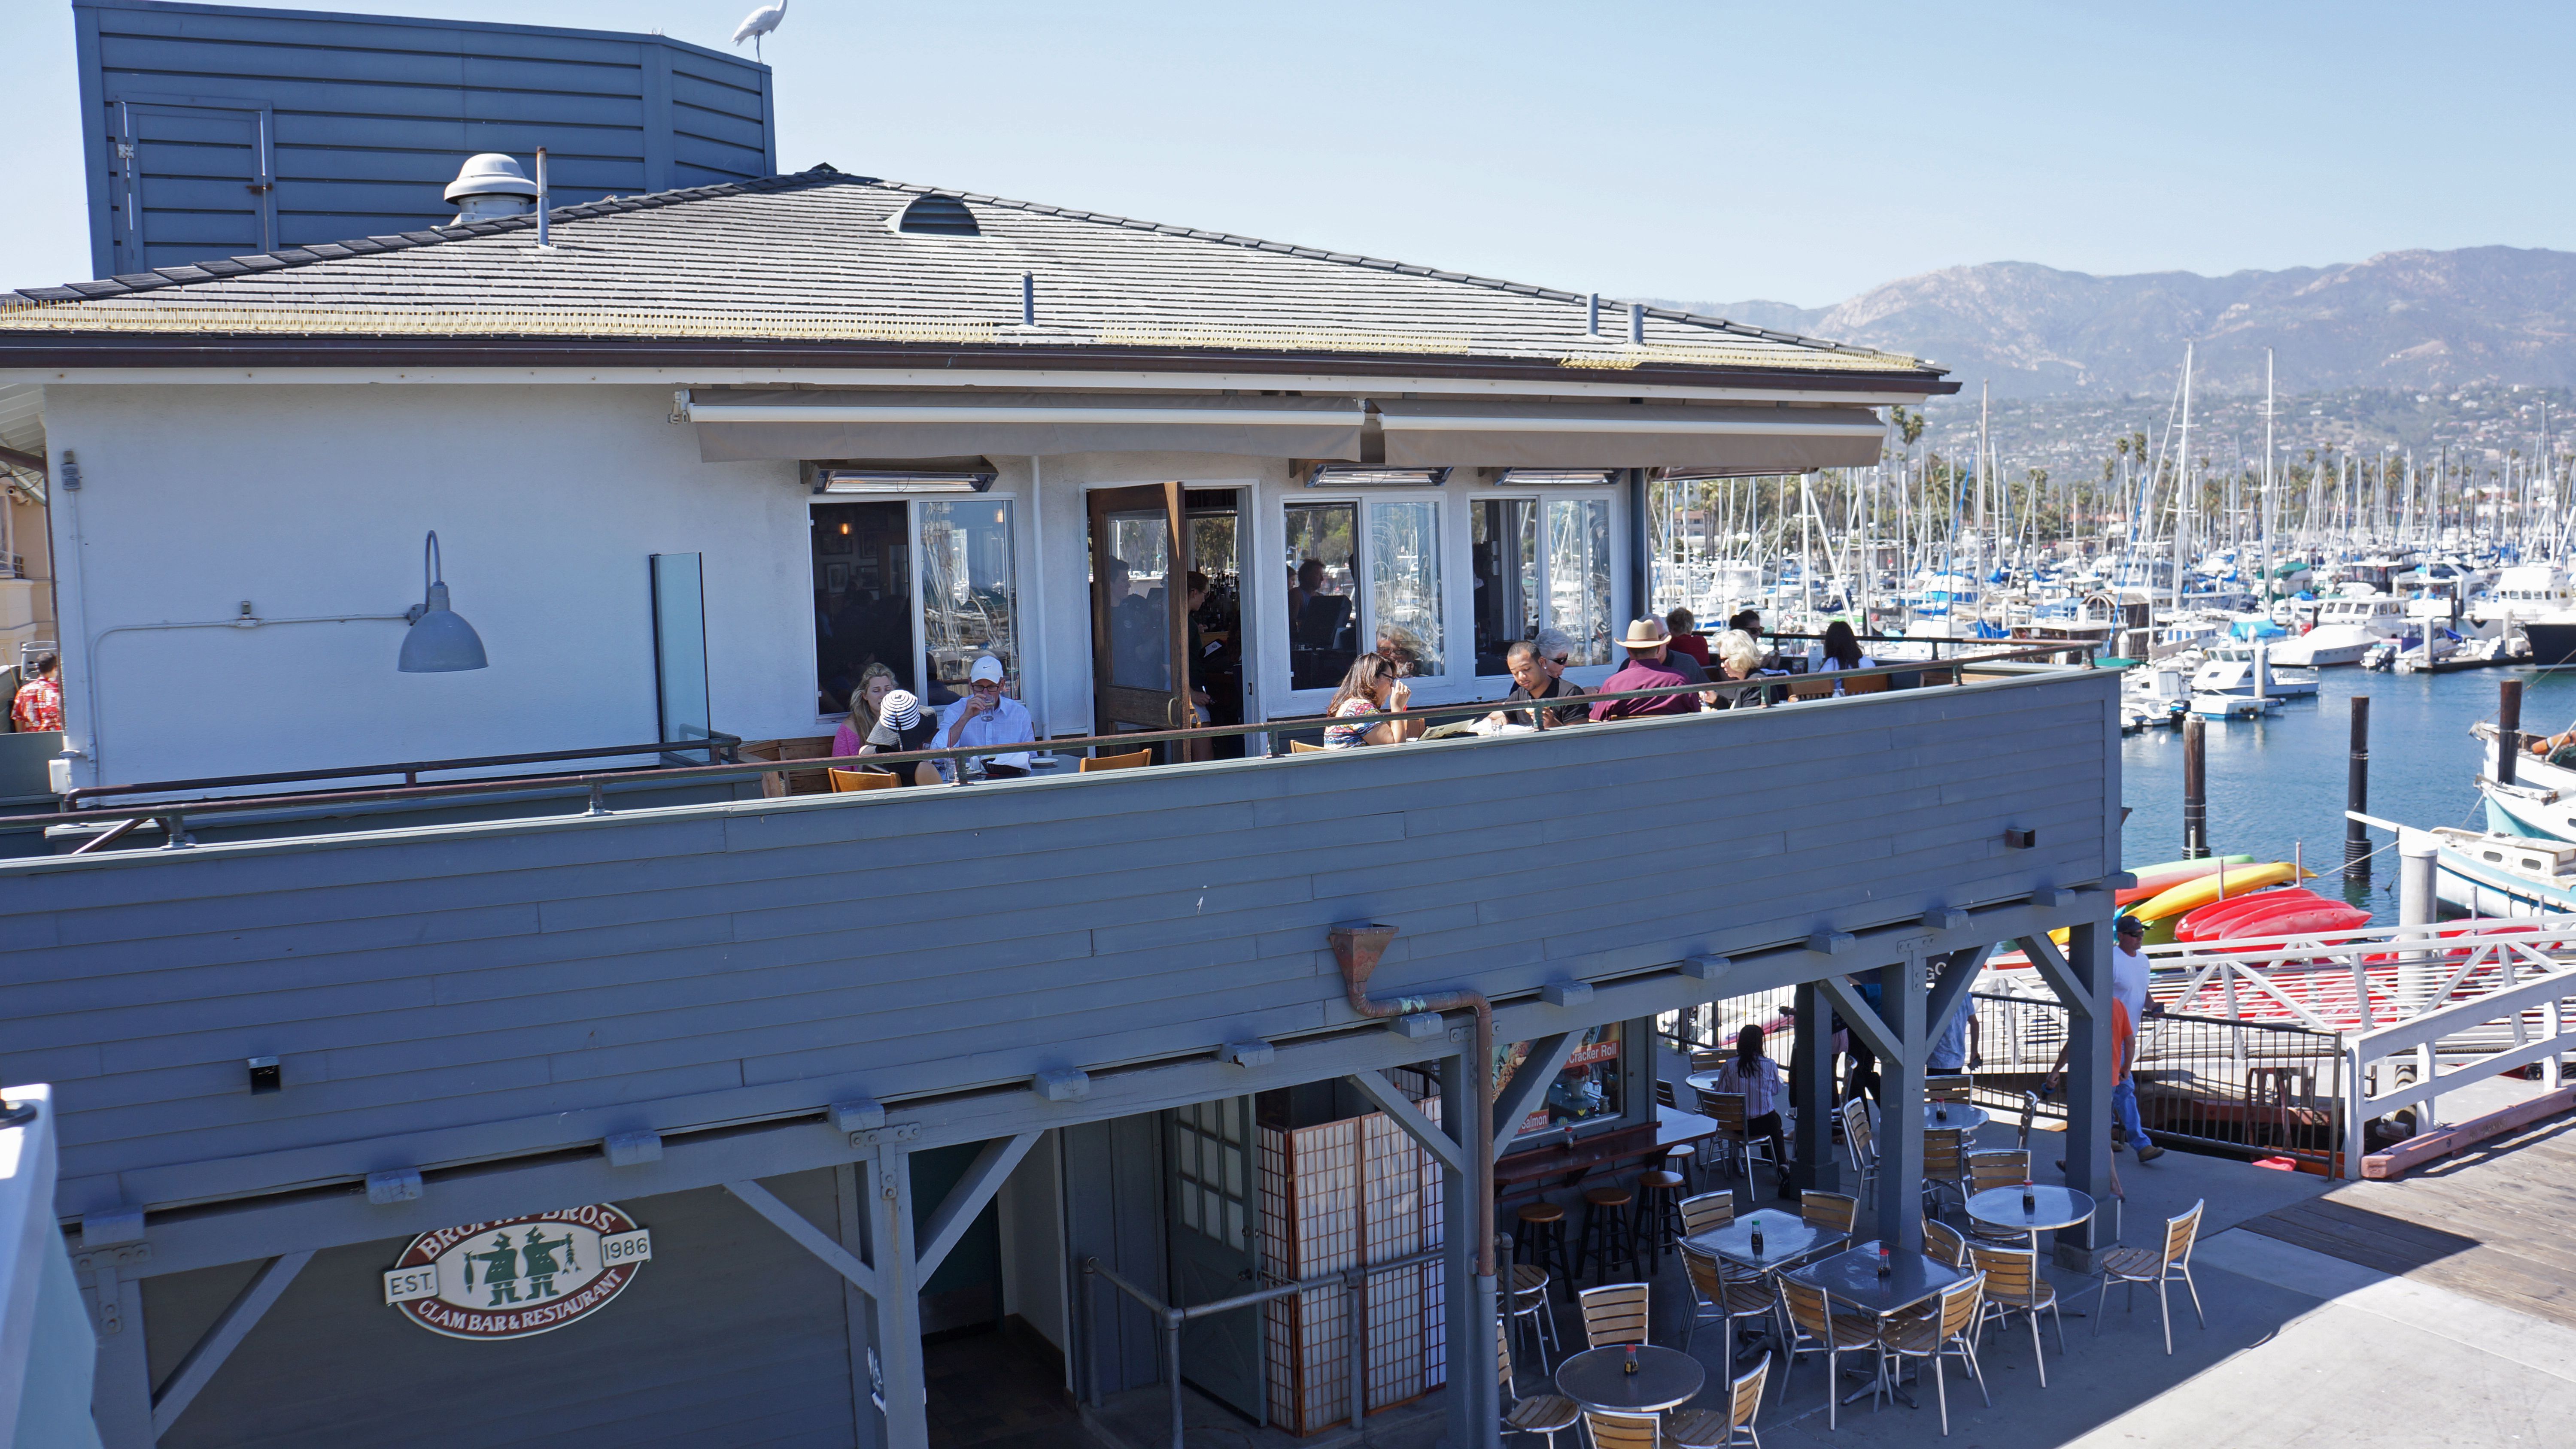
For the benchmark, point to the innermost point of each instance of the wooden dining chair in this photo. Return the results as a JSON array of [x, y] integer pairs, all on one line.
[[1811, 687], [2013, 1285], [844, 781], [1097, 763], [1865, 684], [1942, 1333], [1613, 1313], [1623, 1431], [1945, 1167], [1944, 1243], [1547, 1414], [1707, 1212], [1814, 1326], [1300, 747], [1723, 1428], [2161, 1267], [1931, 677], [1724, 1294], [1833, 1210]]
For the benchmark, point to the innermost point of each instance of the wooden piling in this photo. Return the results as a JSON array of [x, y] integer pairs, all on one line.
[[2508, 729], [2356, 795], [2195, 788]]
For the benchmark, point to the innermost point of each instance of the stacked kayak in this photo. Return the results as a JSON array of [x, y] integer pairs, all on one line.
[[2288, 911], [2165, 911]]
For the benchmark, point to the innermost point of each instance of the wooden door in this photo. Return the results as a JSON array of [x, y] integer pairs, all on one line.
[[1140, 564]]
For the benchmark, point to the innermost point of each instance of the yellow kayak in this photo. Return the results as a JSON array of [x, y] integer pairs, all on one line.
[[2193, 894]]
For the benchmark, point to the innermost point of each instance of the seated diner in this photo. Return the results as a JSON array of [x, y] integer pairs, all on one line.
[[901, 726], [989, 716], [1651, 665], [1373, 686], [1538, 673]]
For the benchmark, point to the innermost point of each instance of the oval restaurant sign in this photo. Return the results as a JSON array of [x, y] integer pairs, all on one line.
[[519, 1276]]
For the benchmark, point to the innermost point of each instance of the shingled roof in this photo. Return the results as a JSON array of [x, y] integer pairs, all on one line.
[[817, 257]]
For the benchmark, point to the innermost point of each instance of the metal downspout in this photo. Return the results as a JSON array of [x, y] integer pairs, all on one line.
[[1358, 949]]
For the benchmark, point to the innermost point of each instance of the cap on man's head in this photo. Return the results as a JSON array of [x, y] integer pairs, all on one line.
[[1644, 634], [2129, 926], [987, 670], [900, 709]]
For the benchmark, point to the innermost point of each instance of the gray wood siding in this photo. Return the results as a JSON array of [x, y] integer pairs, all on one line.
[[732, 1335], [369, 119], [479, 990]]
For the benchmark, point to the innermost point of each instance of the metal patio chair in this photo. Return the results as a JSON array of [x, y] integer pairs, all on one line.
[[847, 781], [1707, 1212], [1835, 1210], [2134, 1266], [1860, 1144], [1723, 1293], [1549, 1414], [1944, 1332], [1814, 1326], [1097, 763], [2013, 1285], [1613, 1313], [1727, 1427]]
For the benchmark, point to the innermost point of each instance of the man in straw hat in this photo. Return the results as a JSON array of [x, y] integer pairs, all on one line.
[[1651, 665]]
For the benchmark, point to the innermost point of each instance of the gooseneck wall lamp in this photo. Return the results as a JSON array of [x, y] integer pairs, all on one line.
[[438, 642]]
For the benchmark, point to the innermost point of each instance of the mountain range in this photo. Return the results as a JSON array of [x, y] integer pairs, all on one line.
[[2401, 320]]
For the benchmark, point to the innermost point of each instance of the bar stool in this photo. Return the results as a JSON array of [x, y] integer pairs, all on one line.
[[1541, 1240], [1683, 1157], [1659, 1213], [1608, 1230]]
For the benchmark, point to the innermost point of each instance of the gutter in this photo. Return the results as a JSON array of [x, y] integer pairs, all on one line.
[[60, 350]]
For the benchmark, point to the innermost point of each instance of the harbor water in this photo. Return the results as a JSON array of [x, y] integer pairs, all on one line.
[[2277, 785]]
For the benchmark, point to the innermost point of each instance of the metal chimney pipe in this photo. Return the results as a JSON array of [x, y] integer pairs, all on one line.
[[1637, 324], [1028, 299], [1592, 314], [1359, 948], [545, 204]]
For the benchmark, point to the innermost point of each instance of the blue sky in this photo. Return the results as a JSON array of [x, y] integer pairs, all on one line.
[[1707, 151]]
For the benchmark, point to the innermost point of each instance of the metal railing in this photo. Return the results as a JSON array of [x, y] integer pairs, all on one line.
[[1352, 1281], [2543, 993], [2361, 980], [173, 814]]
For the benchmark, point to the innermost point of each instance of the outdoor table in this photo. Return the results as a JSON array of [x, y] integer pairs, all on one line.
[[2051, 1208], [1787, 1240], [1962, 1117], [1852, 1280], [1597, 1379]]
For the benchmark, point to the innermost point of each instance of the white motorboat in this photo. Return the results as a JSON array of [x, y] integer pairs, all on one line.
[[2503, 874], [2239, 667], [2233, 706], [2346, 627]]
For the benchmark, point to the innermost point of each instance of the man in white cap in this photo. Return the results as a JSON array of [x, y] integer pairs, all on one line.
[[987, 716]]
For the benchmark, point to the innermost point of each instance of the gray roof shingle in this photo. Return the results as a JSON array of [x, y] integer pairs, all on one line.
[[816, 255]]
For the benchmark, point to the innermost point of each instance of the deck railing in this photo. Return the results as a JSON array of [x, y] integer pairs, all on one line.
[[593, 788]]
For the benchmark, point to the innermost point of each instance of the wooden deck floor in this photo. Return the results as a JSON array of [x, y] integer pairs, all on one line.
[[2491, 1223]]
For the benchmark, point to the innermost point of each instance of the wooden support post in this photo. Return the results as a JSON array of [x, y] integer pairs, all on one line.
[[1811, 1075], [2088, 1091], [198, 1369], [121, 1395], [898, 1305], [1900, 1089]]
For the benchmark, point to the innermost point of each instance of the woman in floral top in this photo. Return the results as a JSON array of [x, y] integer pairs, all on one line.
[[39, 705], [1372, 687]]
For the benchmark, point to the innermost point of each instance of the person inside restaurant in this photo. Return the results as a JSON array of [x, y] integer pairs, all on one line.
[[874, 685], [989, 716], [901, 726], [1650, 665], [1538, 672], [1373, 686]]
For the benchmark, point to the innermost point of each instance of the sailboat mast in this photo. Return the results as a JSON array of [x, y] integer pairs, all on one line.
[[2267, 518], [2182, 483]]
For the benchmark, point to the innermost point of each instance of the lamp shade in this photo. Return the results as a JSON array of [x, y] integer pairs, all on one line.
[[439, 642]]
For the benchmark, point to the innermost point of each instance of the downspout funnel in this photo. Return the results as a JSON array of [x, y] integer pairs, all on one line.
[[1359, 948]]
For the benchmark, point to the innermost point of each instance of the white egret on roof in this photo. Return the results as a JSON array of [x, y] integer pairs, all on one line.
[[759, 23]]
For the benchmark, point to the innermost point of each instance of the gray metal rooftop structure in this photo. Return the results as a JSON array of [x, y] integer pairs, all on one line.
[[218, 130]]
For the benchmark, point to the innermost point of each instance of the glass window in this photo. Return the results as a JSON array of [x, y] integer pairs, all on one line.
[[1322, 627], [1578, 574], [1139, 561], [1587, 1087], [1404, 585], [1506, 568], [862, 599], [969, 605]]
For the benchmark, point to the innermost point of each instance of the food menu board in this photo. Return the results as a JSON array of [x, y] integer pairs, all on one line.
[[1587, 1086]]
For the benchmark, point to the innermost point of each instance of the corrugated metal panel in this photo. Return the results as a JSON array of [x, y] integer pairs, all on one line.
[[216, 131], [505, 989]]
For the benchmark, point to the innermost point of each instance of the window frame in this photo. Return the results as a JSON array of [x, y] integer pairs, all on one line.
[[1364, 585], [1540, 500], [914, 569]]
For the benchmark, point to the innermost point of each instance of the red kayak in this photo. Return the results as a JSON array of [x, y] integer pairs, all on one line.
[[2298, 918], [2212, 922]]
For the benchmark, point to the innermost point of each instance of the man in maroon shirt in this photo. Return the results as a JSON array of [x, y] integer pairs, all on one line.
[[1650, 666]]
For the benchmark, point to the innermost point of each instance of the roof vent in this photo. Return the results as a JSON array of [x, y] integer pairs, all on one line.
[[491, 185], [937, 216]]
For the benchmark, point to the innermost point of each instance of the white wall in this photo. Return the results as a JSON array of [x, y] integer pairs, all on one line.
[[313, 500]]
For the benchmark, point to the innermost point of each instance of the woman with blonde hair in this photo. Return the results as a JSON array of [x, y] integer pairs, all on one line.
[[875, 683], [1738, 657]]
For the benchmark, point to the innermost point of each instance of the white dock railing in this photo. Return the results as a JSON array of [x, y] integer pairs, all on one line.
[[48, 1351], [2492, 996]]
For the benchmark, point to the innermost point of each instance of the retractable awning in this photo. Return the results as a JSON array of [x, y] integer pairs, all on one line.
[[742, 426], [1745, 440]]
